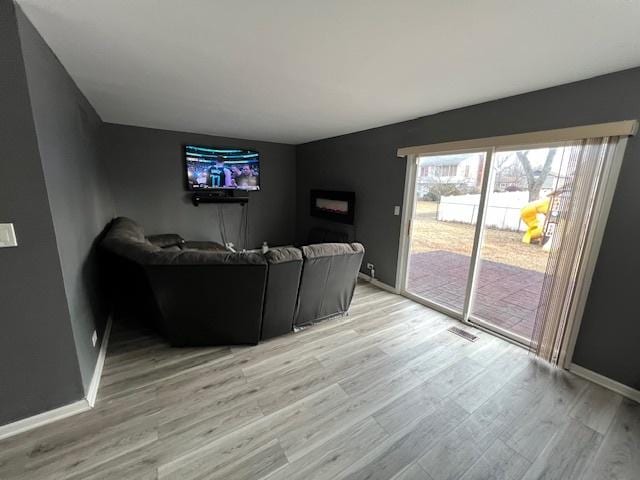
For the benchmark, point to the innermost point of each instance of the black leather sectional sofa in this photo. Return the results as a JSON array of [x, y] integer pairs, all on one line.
[[197, 293]]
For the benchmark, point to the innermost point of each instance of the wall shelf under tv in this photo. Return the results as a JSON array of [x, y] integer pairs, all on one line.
[[218, 197]]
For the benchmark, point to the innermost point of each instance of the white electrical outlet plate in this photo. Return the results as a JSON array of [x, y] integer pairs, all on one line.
[[94, 338], [396, 210], [7, 235]]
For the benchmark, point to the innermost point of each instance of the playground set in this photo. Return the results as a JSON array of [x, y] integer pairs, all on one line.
[[541, 217]]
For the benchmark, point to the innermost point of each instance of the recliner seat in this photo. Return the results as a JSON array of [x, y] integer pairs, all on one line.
[[328, 281], [281, 296]]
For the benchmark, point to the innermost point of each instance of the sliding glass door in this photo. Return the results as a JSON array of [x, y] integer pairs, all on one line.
[[495, 236], [445, 213], [525, 188]]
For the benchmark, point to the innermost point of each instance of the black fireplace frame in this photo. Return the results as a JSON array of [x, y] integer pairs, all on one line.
[[349, 197]]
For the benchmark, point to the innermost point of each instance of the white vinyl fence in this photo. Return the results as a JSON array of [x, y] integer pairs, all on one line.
[[503, 211]]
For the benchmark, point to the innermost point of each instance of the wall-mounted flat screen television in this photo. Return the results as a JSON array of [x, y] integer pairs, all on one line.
[[209, 168]]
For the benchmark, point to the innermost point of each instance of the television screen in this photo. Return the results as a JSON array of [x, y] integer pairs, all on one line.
[[221, 168]]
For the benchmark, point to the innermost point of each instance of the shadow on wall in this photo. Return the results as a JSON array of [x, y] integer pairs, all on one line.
[[95, 280], [328, 232]]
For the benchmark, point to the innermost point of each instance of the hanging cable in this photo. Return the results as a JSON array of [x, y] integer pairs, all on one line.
[[246, 225], [222, 227], [243, 227], [240, 229]]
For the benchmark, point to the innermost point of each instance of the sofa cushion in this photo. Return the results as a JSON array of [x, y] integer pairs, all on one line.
[[200, 245], [200, 257], [166, 240]]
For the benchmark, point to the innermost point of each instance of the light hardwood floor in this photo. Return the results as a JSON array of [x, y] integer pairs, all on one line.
[[384, 393]]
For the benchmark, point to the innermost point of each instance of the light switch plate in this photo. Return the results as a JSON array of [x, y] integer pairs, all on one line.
[[396, 210], [7, 235]]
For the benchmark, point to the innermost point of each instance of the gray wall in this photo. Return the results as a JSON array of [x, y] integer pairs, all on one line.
[[49, 302], [366, 163], [67, 128], [146, 171], [38, 367]]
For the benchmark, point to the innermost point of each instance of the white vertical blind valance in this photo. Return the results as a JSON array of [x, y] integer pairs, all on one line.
[[559, 135]]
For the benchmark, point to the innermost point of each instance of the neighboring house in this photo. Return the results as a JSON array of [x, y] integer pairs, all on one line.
[[511, 179], [454, 170], [464, 172]]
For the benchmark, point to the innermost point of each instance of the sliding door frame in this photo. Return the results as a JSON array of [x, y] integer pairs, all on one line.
[[474, 261], [487, 180], [409, 205], [474, 320], [490, 146], [407, 234]]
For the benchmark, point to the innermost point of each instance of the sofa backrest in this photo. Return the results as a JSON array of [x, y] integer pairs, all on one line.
[[329, 275], [209, 304], [126, 238], [281, 295], [195, 297]]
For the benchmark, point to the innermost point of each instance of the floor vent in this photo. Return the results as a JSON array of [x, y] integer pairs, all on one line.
[[463, 333]]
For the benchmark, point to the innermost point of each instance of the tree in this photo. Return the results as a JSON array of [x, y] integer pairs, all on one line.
[[535, 180], [509, 172]]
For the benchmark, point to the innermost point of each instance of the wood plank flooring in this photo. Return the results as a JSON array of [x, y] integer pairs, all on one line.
[[383, 393]]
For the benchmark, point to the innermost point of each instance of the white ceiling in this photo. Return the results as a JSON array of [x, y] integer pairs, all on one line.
[[299, 70]]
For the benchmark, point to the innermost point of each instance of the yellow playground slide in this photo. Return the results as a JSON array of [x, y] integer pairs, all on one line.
[[529, 215]]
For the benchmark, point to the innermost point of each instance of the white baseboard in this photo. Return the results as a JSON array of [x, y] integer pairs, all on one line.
[[65, 411], [377, 283], [606, 382], [92, 391], [43, 418]]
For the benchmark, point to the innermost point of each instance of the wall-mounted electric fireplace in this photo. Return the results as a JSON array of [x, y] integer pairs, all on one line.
[[332, 205]]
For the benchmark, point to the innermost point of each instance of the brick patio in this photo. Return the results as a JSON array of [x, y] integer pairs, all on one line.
[[507, 296]]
